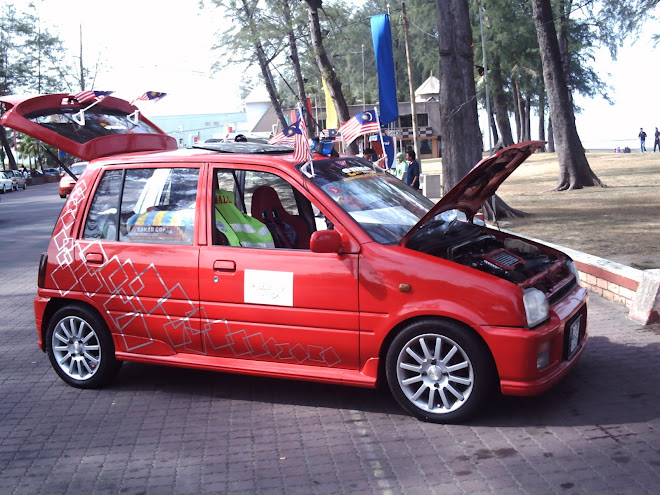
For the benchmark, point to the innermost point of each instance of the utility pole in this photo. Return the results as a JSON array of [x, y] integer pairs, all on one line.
[[364, 101], [82, 66], [413, 107]]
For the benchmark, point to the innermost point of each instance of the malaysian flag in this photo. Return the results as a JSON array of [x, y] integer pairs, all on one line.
[[295, 135], [330, 134], [281, 138], [362, 123], [151, 96], [84, 96]]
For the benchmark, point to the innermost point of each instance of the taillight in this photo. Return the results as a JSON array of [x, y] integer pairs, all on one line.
[[41, 278]]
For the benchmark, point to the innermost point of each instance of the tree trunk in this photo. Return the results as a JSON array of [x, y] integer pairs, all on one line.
[[562, 39], [325, 66], [574, 168], [516, 109], [528, 119], [551, 136], [263, 63], [542, 118], [493, 128], [523, 117], [459, 125], [7, 149], [295, 60], [500, 106], [496, 208]]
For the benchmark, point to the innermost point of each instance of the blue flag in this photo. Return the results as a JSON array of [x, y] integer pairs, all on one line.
[[382, 38]]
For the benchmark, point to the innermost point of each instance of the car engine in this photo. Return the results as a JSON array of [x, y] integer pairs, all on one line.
[[512, 259]]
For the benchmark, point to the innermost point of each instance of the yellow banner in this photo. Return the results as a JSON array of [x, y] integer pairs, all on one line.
[[331, 121]]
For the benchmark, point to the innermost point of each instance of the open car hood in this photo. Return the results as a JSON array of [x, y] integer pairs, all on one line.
[[480, 183], [85, 130]]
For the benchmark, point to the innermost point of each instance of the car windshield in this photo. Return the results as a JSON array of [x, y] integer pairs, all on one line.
[[78, 169], [381, 204]]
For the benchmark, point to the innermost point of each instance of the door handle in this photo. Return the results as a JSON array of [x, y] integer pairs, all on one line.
[[224, 266], [96, 258]]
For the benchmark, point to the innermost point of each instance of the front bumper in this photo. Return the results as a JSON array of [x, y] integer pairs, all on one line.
[[516, 350]]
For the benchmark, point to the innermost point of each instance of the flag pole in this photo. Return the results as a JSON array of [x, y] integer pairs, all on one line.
[[301, 116], [380, 133], [81, 114]]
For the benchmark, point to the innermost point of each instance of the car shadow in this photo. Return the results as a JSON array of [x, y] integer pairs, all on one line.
[[612, 384]]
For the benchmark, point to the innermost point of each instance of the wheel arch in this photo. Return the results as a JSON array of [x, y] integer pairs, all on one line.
[[57, 303], [396, 330]]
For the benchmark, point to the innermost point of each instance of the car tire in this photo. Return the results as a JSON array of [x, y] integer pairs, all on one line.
[[24, 185], [80, 348], [4, 189], [440, 371], [63, 196]]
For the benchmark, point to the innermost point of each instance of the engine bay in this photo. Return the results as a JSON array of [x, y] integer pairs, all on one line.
[[510, 258]]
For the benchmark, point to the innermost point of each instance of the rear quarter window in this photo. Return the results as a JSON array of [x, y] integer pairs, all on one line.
[[149, 205]]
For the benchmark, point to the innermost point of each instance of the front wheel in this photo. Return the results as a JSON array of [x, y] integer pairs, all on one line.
[[440, 371], [80, 348]]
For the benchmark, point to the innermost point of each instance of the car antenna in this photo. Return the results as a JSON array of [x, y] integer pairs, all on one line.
[[59, 162]]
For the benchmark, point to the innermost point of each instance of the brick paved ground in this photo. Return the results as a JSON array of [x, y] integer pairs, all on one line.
[[164, 430]]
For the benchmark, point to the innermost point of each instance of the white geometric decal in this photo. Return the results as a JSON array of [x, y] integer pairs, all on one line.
[[121, 283]]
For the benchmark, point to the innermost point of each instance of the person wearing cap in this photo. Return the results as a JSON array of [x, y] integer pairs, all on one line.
[[401, 167]]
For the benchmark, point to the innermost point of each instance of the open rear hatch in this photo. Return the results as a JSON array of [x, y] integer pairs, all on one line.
[[86, 130]]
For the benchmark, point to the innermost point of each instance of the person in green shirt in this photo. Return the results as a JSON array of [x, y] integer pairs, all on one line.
[[401, 167]]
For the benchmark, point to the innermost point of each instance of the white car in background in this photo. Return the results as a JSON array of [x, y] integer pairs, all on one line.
[[6, 184], [17, 179]]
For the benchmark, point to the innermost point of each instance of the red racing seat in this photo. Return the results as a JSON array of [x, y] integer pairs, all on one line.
[[288, 231]]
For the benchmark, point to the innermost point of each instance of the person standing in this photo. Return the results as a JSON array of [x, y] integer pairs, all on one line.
[[401, 167], [642, 140], [657, 140], [412, 176]]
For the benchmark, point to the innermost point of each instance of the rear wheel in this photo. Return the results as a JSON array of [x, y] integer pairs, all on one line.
[[440, 371], [80, 348]]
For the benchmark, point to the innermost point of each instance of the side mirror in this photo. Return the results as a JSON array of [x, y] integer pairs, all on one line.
[[325, 241]]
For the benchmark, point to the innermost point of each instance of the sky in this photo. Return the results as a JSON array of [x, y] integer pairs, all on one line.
[[150, 45]]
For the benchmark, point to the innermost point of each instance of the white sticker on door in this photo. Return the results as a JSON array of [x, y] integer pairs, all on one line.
[[268, 287]]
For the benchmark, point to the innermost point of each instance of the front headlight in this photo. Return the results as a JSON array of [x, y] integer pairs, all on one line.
[[536, 307]]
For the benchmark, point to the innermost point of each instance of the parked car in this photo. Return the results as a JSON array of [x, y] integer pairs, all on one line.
[[235, 257], [6, 182], [67, 182], [51, 172], [17, 178]]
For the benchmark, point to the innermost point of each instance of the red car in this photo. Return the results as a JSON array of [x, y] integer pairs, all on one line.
[[233, 257], [67, 181]]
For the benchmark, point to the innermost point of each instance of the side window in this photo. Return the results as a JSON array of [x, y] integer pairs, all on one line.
[[260, 209], [158, 205], [284, 191], [102, 218]]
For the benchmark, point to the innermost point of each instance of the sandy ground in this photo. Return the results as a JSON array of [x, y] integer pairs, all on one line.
[[620, 222]]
